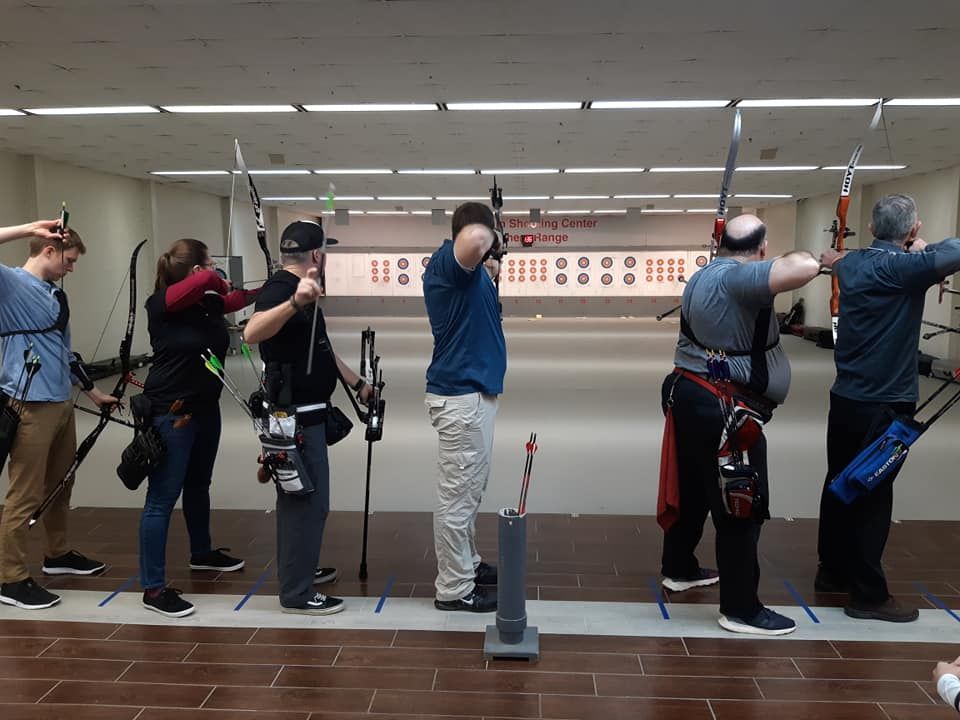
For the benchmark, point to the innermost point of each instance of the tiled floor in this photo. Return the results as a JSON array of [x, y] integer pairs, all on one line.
[[113, 670]]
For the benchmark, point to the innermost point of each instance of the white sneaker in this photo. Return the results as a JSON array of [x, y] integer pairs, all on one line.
[[704, 578]]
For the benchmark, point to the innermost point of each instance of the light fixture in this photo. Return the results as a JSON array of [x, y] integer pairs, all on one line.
[[923, 102], [229, 108], [808, 102], [569, 212], [602, 171], [760, 196], [292, 198], [510, 198], [665, 211], [609, 212], [357, 212], [865, 167], [279, 172], [701, 211], [404, 197], [386, 212], [189, 172], [685, 169], [373, 107], [521, 171], [694, 196], [581, 197], [421, 212], [648, 196], [436, 172], [353, 171], [514, 106], [656, 104], [461, 198], [10, 112], [117, 110], [516, 212], [354, 198], [777, 168]]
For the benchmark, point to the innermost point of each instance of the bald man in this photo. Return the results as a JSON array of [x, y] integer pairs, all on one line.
[[728, 308]]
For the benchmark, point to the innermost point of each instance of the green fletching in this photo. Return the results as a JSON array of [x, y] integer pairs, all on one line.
[[245, 351], [331, 190]]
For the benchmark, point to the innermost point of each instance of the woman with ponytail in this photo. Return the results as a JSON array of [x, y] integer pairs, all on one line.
[[185, 317]]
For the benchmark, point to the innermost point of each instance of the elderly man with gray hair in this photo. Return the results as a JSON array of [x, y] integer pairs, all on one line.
[[882, 292]]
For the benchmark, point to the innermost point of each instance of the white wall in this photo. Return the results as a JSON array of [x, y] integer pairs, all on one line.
[[781, 222]]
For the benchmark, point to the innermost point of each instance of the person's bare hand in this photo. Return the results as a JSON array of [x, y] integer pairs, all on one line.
[[918, 245], [308, 290], [829, 257], [46, 229], [945, 668]]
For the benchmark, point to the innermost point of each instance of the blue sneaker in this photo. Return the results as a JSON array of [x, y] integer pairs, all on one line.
[[765, 622]]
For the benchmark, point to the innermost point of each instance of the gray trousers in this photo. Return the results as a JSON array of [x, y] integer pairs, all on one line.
[[300, 523]]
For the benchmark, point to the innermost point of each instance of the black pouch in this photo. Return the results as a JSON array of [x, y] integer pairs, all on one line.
[[338, 425], [141, 457], [740, 488], [9, 422]]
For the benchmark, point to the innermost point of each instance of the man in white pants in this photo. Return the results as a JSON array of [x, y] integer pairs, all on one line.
[[464, 379]]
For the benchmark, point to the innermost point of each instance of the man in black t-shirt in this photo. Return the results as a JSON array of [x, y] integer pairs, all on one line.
[[283, 325]]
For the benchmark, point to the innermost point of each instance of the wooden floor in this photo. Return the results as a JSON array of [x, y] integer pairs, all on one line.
[[106, 670]]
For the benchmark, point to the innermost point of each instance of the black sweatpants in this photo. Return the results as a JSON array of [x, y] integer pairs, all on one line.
[[852, 537], [698, 424]]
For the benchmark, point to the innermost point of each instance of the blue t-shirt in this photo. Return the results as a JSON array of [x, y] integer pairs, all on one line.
[[882, 291], [469, 351]]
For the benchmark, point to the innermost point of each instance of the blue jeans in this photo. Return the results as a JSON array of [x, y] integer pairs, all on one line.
[[187, 468]]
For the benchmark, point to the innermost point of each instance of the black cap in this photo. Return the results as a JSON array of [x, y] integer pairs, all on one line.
[[303, 236]]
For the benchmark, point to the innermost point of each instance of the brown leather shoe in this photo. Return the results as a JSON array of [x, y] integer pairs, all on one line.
[[888, 611]]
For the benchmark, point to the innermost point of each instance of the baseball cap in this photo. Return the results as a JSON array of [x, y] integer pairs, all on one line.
[[303, 236]]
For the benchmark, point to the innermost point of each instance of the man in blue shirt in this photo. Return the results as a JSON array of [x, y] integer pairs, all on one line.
[[463, 381], [882, 292], [34, 316]]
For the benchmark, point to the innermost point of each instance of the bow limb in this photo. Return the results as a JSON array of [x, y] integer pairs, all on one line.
[[257, 209]]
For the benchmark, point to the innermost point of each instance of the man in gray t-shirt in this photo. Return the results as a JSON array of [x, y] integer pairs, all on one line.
[[727, 306]]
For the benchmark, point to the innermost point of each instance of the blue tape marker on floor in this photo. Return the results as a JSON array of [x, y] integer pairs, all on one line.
[[256, 586], [936, 601], [800, 601], [127, 583], [383, 598], [655, 586]]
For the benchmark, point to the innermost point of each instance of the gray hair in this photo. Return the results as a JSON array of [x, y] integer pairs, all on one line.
[[893, 217], [295, 258]]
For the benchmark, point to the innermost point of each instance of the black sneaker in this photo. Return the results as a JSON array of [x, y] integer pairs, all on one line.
[[28, 595], [325, 575], [888, 611], [765, 622], [215, 560], [703, 578], [478, 601], [169, 602], [828, 582], [486, 574], [73, 563], [319, 604]]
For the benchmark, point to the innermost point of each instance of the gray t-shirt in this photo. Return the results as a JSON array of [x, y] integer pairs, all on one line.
[[721, 303]]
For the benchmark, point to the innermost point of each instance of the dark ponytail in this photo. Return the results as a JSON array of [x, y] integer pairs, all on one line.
[[175, 264]]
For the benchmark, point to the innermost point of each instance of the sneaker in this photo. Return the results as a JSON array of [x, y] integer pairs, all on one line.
[[889, 611], [28, 595], [215, 560], [325, 575], [73, 563], [828, 582], [478, 601], [168, 602], [765, 622], [486, 574], [319, 604], [702, 578]]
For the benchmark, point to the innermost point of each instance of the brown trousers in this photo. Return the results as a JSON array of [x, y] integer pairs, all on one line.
[[40, 457]]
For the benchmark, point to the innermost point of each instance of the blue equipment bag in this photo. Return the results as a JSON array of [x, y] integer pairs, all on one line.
[[879, 461]]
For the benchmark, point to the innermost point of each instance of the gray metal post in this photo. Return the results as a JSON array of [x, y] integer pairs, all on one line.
[[511, 637]]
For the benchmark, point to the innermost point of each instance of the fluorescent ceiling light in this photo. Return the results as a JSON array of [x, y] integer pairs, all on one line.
[[656, 196], [808, 102], [763, 195], [656, 104], [354, 198], [404, 197], [189, 172], [609, 212], [279, 172], [436, 172], [865, 167], [777, 168], [373, 107], [525, 197], [568, 212], [124, 110], [599, 171], [514, 106], [328, 212], [10, 112], [229, 108], [664, 210], [698, 196], [521, 171], [353, 171], [516, 212], [476, 198], [421, 212], [357, 212], [581, 197], [685, 169], [292, 198], [386, 212], [923, 102], [701, 211]]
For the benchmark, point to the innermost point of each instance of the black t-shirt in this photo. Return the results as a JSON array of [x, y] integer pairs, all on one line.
[[178, 339], [286, 353]]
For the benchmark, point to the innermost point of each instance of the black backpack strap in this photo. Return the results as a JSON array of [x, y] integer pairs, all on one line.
[[63, 319]]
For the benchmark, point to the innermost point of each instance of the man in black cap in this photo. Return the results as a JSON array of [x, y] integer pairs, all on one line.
[[282, 323]]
